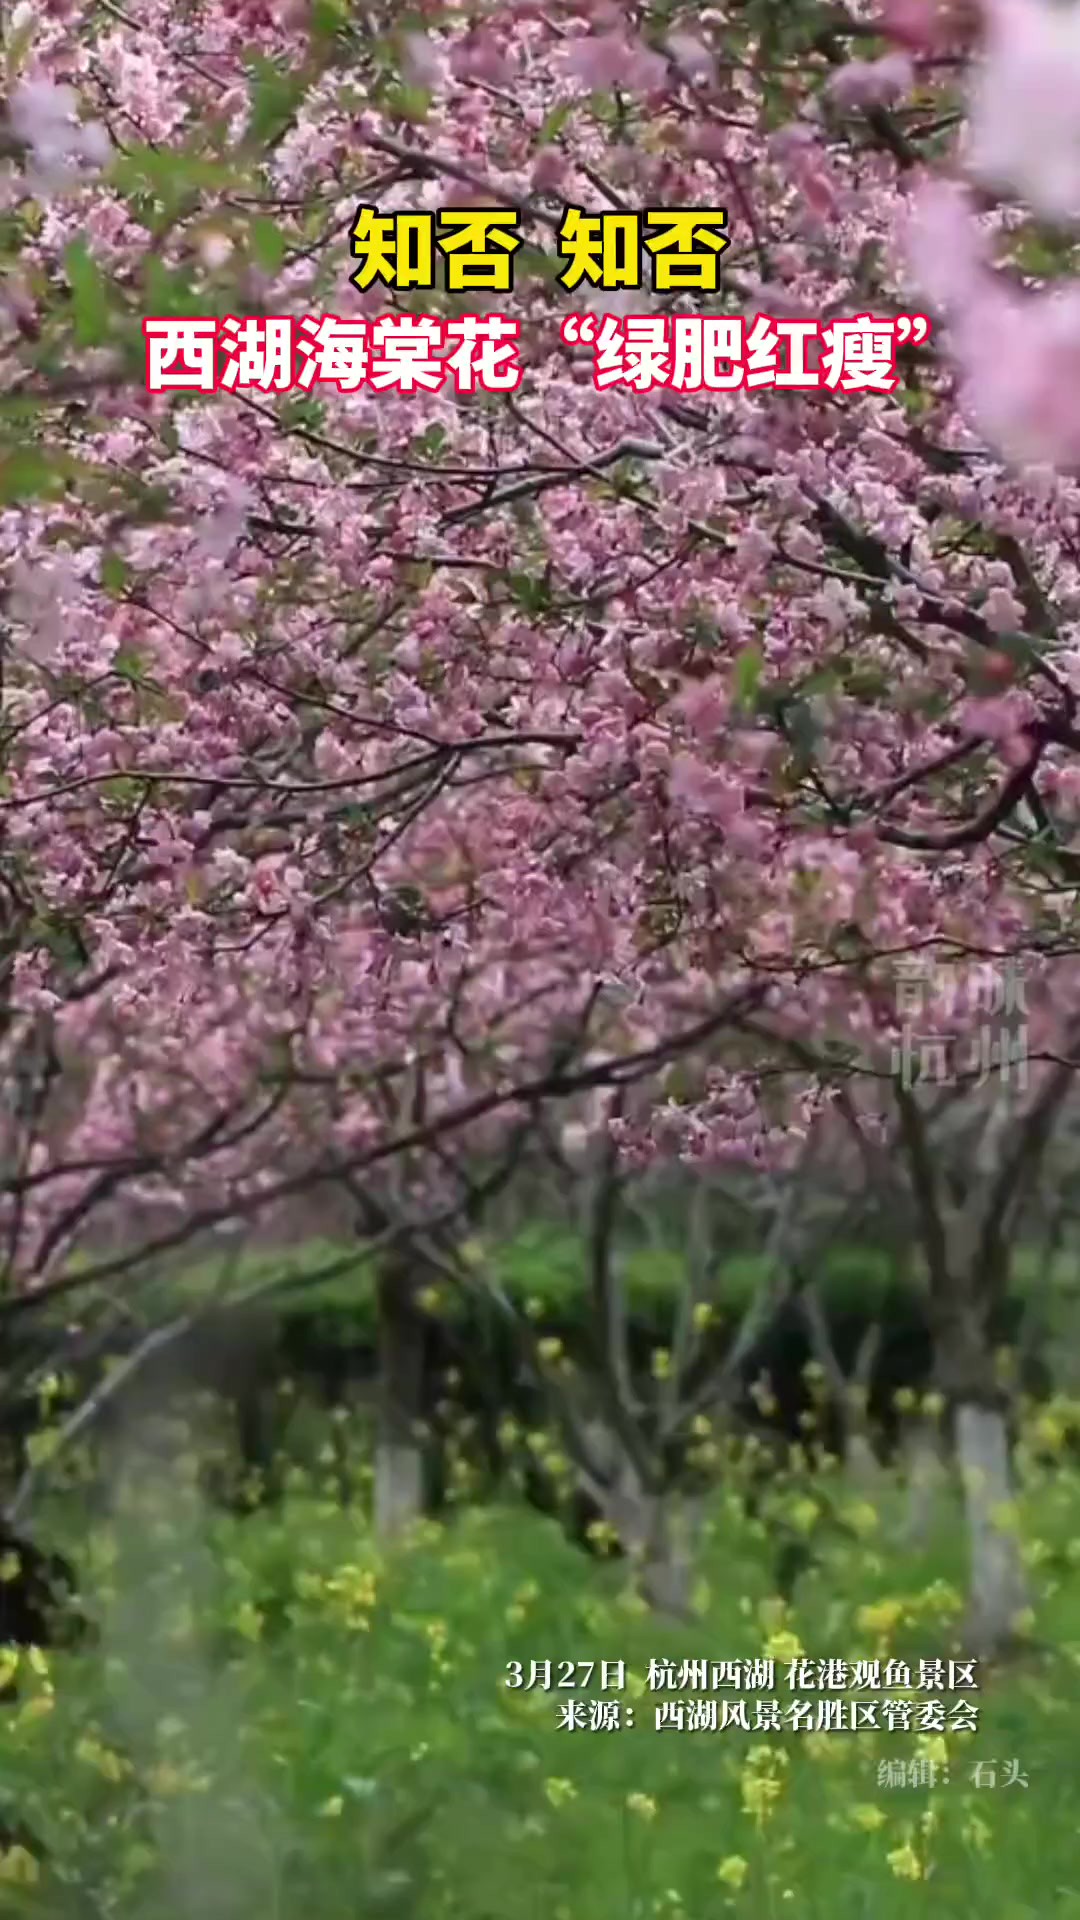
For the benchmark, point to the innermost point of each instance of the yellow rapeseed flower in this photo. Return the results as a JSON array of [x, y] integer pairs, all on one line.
[[760, 1791], [1050, 1432], [642, 1804], [558, 1792], [167, 1781], [861, 1517], [880, 1618], [36, 1707], [868, 1817], [19, 1868], [733, 1871], [92, 1753], [248, 1621], [784, 1646], [602, 1534], [905, 1862]]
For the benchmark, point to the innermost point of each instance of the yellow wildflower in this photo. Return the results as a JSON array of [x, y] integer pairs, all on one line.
[[804, 1513], [759, 1793], [19, 1868], [861, 1517], [558, 1792], [905, 1862], [881, 1618], [732, 1871], [868, 1817], [93, 1754], [784, 1646], [248, 1621], [642, 1804]]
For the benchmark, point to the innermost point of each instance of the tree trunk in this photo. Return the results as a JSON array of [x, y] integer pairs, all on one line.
[[657, 1529], [399, 1444], [926, 1475], [255, 1439], [657, 1532], [861, 1463], [998, 1589]]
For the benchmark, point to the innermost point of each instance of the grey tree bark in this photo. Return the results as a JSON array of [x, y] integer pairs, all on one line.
[[399, 1439]]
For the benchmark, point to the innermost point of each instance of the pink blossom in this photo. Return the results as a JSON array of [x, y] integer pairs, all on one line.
[[43, 117], [919, 25], [705, 790], [604, 61], [944, 245], [1024, 126], [999, 719], [422, 63], [873, 83], [481, 58], [1002, 610], [692, 57], [1020, 361]]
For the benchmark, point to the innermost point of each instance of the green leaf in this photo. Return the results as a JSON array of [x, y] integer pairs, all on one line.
[[532, 594], [1043, 255], [123, 790], [801, 731], [61, 938], [555, 122], [18, 46], [748, 668], [430, 442], [407, 103], [27, 473], [170, 174], [88, 294], [268, 244], [170, 293], [128, 663], [42, 1446], [275, 95], [115, 572], [306, 410], [328, 17]]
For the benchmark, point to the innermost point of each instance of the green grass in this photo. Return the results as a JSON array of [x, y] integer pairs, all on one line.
[[280, 1724]]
